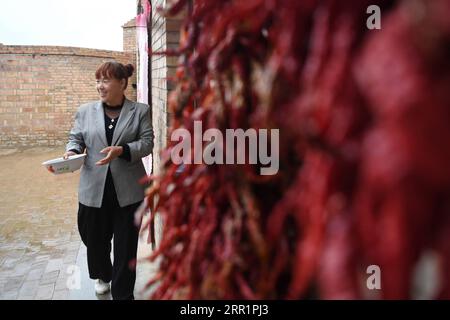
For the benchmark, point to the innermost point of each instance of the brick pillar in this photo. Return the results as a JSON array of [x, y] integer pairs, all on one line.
[[130, 47]]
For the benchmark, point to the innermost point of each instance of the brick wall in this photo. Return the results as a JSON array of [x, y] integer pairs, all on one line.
[[129, 36], [129, 46], [165, 35], [41, 88]]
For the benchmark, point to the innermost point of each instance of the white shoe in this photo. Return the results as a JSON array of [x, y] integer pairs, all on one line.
[[101, 287]]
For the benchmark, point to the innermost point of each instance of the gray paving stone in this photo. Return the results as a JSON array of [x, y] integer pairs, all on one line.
[[35, 274], [45, 292], [9, 295], [13, 283], [49, 278], [53, 265], [28, 290], [39, 237], [60, 295], [70, 258], [61, 284]]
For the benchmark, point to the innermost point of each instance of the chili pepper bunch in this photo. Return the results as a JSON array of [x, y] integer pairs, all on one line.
[[364, 150]]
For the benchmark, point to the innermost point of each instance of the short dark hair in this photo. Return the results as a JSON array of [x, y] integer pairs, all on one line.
[[113, 69]]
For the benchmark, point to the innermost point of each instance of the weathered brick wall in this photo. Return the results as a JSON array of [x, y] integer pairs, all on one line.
[[165, 35], [41, 88]]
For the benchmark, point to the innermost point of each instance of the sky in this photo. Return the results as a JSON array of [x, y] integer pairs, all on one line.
[[93, 24]]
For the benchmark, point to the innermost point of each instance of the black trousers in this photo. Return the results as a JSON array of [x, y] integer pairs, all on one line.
[[97, 227]]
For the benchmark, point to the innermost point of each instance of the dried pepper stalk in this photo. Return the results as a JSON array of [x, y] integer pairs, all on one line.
[[364, 150]]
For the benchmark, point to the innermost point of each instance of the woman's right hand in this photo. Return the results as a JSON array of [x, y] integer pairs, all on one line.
[[68, 154], [65, 157]]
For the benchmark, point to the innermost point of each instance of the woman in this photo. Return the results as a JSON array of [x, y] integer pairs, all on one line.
[[115, 133]]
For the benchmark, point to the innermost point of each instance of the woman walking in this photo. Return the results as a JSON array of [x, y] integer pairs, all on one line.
[[115, 133]]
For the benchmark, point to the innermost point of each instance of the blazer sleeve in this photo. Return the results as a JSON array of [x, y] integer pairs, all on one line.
[[76, 140], [144, 145]]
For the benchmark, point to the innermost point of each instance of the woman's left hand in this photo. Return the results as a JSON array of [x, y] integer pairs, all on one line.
[[112, 153]]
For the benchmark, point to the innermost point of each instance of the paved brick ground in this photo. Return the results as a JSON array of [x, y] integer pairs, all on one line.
[[40, 248]]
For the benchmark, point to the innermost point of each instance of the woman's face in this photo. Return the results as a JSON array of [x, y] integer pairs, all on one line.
[[110, 90]]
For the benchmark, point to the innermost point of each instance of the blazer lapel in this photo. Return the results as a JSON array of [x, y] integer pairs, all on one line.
[[124, 118], [99, 117]]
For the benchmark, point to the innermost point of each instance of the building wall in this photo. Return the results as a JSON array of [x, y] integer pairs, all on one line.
[[165, 35], [41, 87]]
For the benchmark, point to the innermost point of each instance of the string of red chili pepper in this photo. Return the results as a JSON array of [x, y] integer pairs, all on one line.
[[364, 150]]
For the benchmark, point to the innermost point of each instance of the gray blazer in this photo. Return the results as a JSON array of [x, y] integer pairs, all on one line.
[[88, 133]]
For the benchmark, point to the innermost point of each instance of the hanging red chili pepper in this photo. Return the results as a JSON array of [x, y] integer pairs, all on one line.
[[364, 150]]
